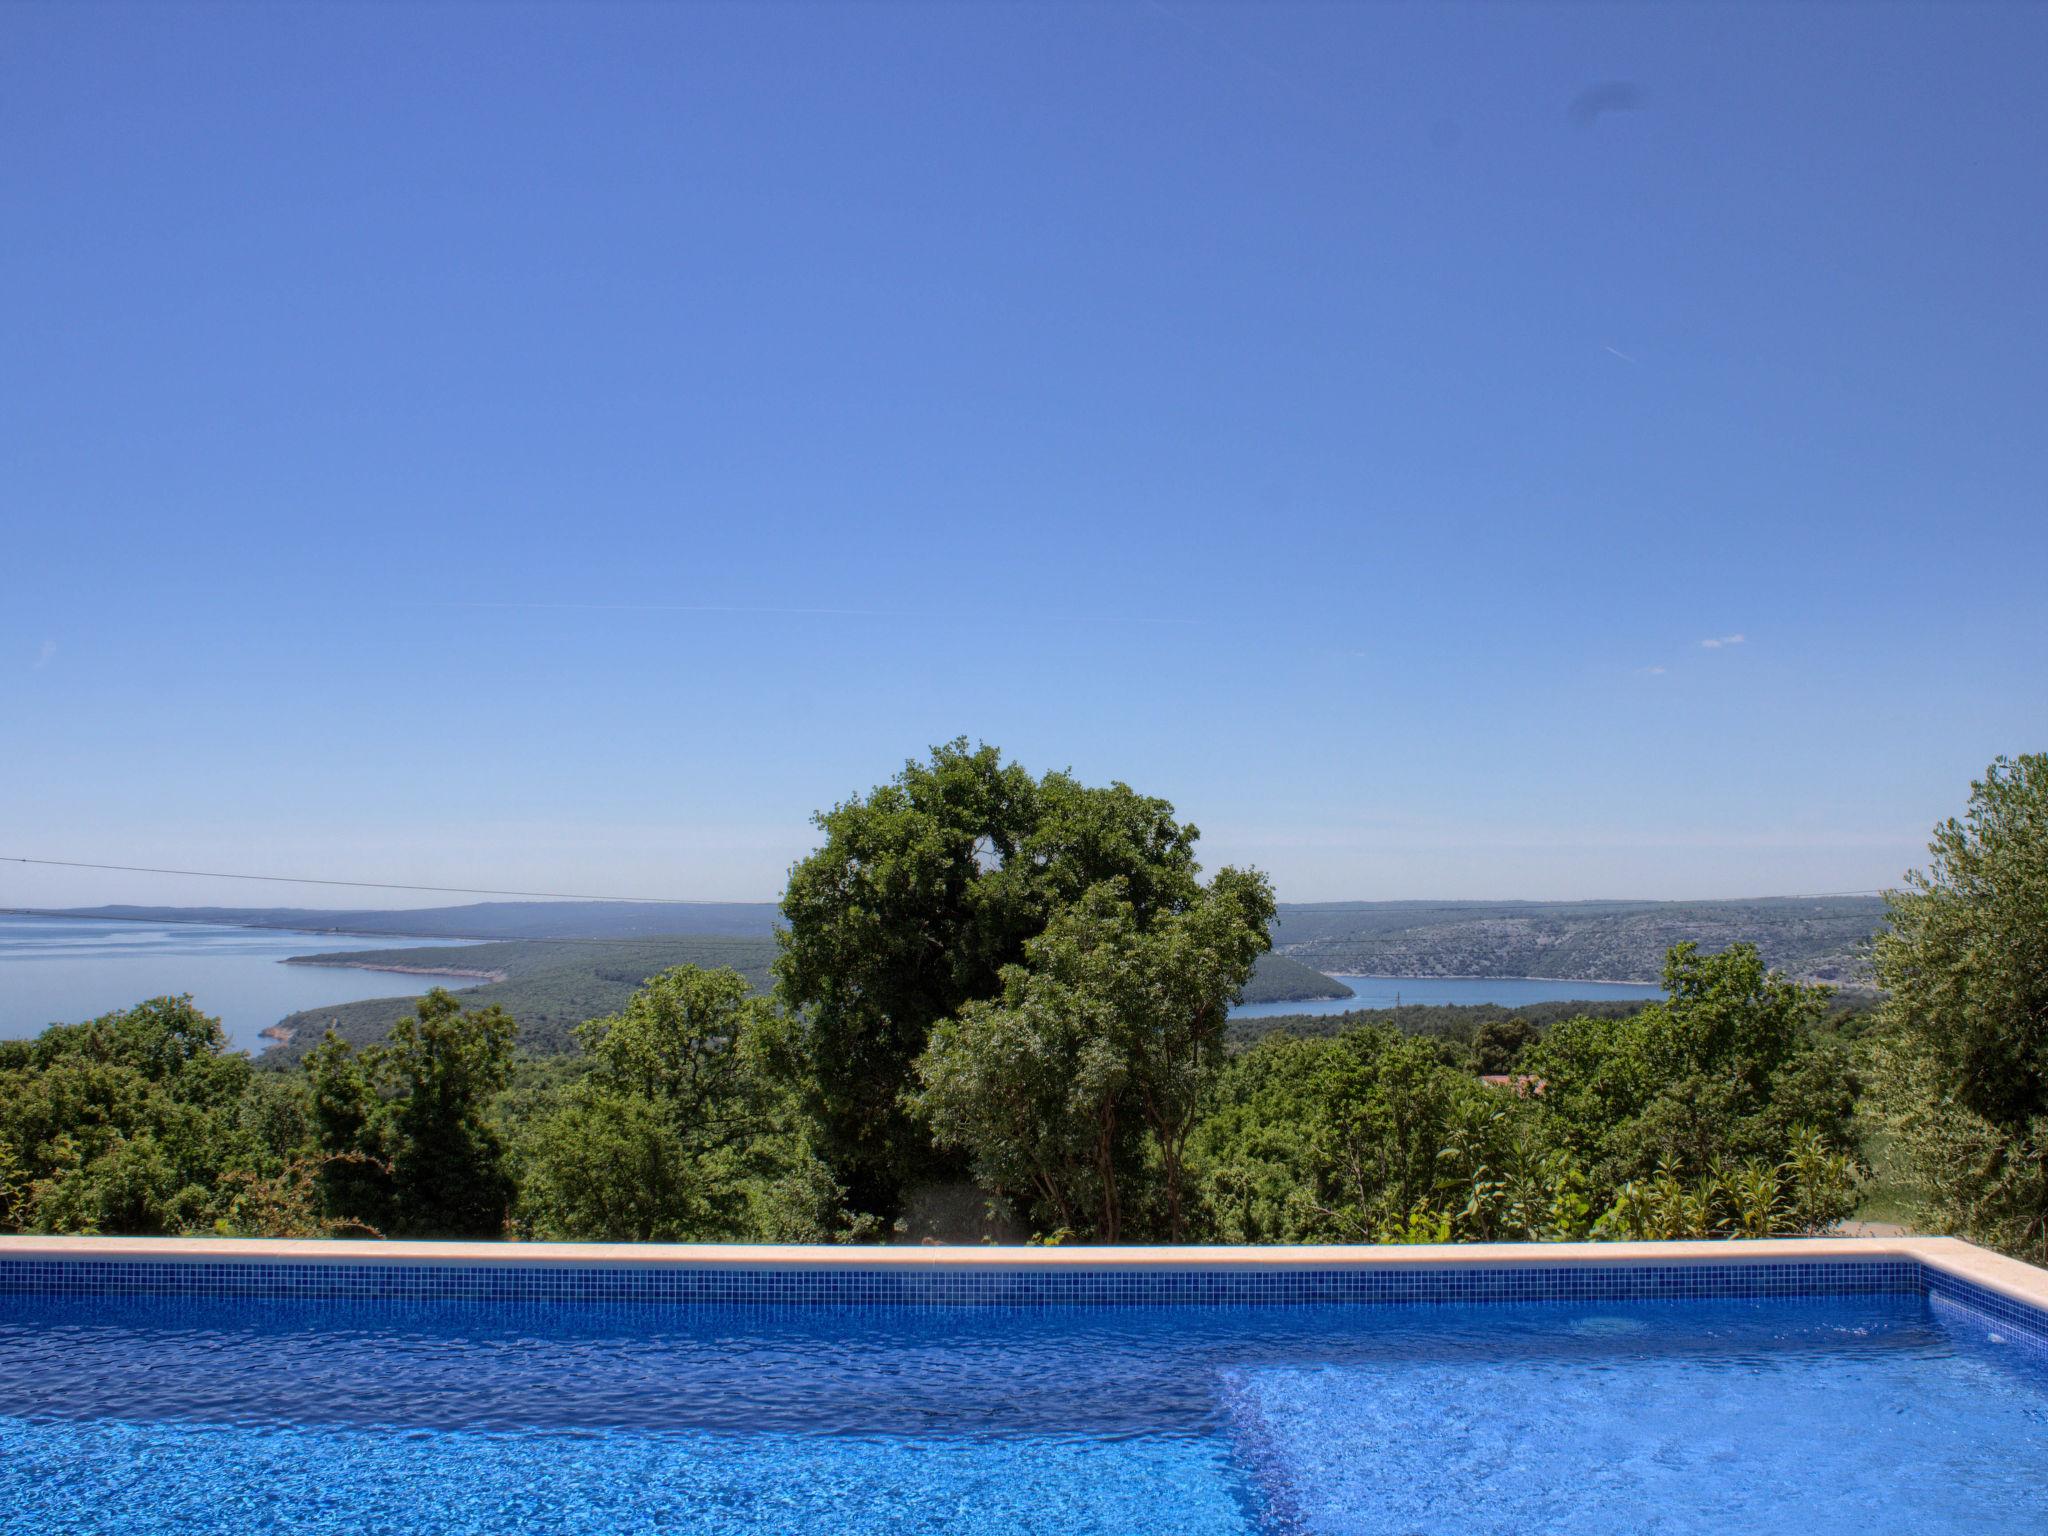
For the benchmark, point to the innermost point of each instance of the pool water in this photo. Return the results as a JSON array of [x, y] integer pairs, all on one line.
[[1833, 1415]]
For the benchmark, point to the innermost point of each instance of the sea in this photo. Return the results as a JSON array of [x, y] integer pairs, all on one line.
[[65, 969], [60, 970], [1507, 991]]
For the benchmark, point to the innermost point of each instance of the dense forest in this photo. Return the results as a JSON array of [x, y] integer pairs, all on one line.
[[1019, 986], [549, 987], [1277, 979]]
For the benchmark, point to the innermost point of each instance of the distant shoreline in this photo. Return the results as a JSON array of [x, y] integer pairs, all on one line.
[[468, 972], [1568, 981], [1583, 981]]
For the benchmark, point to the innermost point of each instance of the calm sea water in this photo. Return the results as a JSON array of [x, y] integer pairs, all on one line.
[[1833, 1417], [62, 970], [1508, 991]]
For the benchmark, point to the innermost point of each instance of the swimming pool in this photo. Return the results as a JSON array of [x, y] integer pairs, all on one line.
[[296, 1388]]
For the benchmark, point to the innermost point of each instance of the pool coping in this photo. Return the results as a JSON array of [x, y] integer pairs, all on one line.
[[2012, 1279]]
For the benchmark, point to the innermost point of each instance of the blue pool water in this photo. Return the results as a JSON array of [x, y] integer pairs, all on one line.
[[140, 1416]]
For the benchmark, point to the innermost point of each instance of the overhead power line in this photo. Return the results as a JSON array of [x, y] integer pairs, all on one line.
[[1295, 908], [381, 885], [395, 938]]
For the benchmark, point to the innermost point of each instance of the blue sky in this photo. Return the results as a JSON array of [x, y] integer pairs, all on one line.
[[564, 446]]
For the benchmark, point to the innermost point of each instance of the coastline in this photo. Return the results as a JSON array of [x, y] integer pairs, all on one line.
[[1587, 981], [467, 972], [1573, 981]]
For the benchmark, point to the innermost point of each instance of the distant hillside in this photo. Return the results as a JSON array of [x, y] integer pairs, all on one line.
[[1823, 939], [1277, 979], [550, 982], [549, 988], [486, 919], [1820, 939], [1850, 1013]]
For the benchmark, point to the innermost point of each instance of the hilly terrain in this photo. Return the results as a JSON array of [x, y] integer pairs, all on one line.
[[549, 988], [553, 964], [1824, 938], [552, 986], [1812, 938], [1277, 979]]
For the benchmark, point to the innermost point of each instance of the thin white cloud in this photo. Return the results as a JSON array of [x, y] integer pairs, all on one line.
[[1617, 352], [1650, 671], [44, 652], [1722, 642]]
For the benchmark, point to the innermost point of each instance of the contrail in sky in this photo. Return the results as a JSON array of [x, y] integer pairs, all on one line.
[[768, 610]]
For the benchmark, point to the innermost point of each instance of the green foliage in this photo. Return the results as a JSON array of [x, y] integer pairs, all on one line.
[[410, 1146], [1094, 1088], [1026, 976], [1966, 970], [1517, 1186], [615, 1167], [1499, 1044], [1728, 1069], [1814, 938], [1460, 1022], [1342, 1140], [1277, 979], [1811, 1191], [669, 1129], [683, 1041], [1082, 1082], [127, 1124], [548, 986], [652, 1144], [1722, 1111], [923, 891]]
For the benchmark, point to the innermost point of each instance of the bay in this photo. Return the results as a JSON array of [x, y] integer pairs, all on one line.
[[64, 970], [1507, 991]]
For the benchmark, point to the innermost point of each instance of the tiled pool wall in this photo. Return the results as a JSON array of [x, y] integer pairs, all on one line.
[[1079, 1284], [1960, 1300]]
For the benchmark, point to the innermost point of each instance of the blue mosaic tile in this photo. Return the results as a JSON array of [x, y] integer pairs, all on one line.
[[856, 1287], [1958, 1300]]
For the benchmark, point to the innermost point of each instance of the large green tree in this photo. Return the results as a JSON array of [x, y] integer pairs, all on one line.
[[1729, 1068], [405, 1127], [922, 891], [1076, 1090], [1722, 1111], [129, 1123], [654, 1144], [1341, 1139], [1965, 968]]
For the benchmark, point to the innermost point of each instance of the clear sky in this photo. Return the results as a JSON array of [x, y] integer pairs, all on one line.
[[1492, 451]]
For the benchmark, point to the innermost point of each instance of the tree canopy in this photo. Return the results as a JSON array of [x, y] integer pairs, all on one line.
[[1078, 1087], [404, 1126], [923, 891], [1965, 967], [654, 1143], [1025, 982], [129, 1123]]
